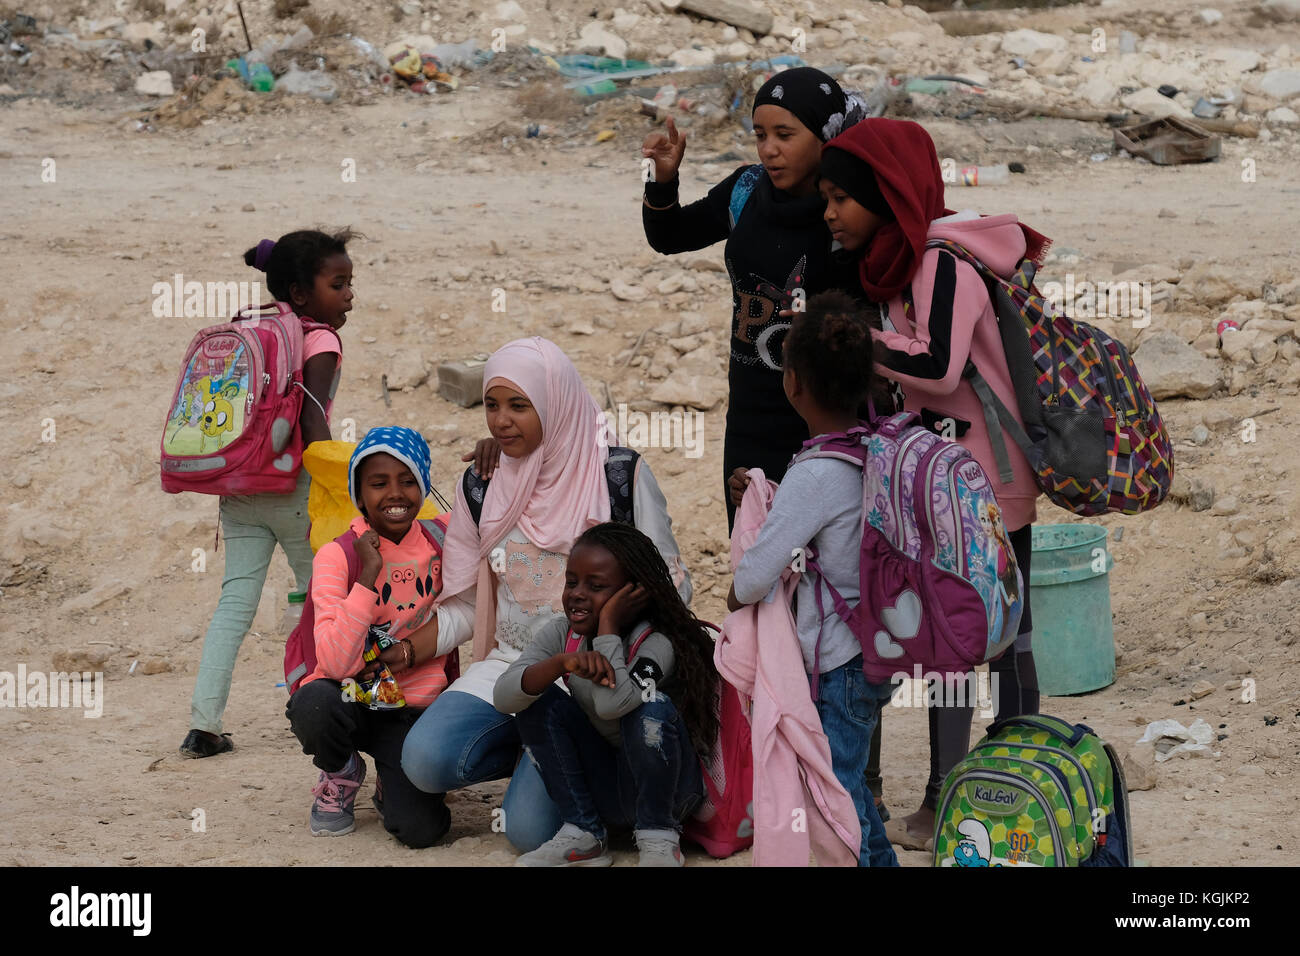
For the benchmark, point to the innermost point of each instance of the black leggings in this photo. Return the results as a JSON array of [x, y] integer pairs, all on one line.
[[331, 729], [1017, 693]]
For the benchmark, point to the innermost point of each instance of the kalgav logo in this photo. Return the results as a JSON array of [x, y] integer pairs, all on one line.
[[992, 798]]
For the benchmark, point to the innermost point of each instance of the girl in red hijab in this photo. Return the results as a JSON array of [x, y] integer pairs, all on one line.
[[885, 201]]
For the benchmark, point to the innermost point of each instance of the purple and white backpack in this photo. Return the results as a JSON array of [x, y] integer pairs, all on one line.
[[938, 576]]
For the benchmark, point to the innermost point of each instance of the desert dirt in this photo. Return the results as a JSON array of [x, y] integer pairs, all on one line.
[[93, 555]]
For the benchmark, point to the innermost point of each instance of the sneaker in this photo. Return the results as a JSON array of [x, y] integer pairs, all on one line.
[[572, 846], [336, 793], [659, 848]]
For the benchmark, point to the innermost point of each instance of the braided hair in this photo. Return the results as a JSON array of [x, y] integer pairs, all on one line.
[[641, 562]]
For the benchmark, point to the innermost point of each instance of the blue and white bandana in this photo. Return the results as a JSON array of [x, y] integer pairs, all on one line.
[[405, 444]]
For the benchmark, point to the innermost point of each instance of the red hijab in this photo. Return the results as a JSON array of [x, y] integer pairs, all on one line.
[[901, 154]]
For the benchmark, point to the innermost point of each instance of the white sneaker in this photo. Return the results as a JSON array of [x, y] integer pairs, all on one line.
[[572, 846], [659, 848]]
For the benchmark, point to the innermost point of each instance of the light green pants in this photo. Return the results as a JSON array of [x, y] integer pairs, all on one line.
[[251, 525]]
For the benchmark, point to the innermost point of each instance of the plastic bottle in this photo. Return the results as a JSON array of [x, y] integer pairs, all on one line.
[[240, 66], [292, 612], [982, 175], [260, 78]]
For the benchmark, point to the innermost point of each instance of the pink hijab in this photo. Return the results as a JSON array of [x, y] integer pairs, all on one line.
[[553, 494]]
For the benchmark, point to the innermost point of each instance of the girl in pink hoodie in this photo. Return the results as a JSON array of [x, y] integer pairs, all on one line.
[[884, 200]]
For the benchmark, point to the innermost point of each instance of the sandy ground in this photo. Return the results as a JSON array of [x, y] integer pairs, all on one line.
[[83, 514]]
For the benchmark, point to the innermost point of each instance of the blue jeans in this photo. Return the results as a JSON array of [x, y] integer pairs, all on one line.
[[651, 783], [849, 707], [461, 740]]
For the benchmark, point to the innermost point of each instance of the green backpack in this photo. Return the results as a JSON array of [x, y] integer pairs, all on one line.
[[1035, 791]]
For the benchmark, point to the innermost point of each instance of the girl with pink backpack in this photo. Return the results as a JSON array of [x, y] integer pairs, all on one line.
[[310, 275], [885, 203], [818, 510]]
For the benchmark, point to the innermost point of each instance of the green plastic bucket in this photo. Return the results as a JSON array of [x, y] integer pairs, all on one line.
[[1069, 588]]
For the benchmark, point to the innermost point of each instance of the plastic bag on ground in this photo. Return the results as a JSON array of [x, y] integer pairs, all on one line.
[[308, 83], [1169, 738]]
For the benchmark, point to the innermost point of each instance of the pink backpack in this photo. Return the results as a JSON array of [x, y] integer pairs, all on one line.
[[938, 577], [233, 424], [300, 648], [724, 823]]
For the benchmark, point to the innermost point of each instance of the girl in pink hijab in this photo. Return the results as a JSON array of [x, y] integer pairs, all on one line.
[[503, 566]]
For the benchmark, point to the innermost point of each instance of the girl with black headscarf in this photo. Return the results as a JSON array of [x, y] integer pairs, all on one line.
[[778, 250]]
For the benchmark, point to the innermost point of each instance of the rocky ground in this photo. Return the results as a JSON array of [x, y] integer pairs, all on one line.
[[109, 190]]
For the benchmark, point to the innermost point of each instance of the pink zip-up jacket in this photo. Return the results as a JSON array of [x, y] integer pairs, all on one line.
[[953, 319], [792, 760]]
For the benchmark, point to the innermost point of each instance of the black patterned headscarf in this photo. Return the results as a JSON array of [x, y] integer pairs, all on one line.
[[815, 99]]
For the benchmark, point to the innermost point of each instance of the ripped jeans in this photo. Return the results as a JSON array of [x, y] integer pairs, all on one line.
[[652, 782]]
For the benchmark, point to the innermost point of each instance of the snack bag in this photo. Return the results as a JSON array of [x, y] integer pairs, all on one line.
[[380, 692]]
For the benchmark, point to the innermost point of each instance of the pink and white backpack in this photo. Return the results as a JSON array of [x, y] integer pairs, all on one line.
[[938, 576], [233, 424]]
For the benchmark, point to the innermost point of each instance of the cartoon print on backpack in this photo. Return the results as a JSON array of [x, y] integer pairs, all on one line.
[[975, 847], [1008, 579], [210, 399]]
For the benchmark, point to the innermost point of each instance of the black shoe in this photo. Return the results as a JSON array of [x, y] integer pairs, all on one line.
[[882, 809], [199, 743]]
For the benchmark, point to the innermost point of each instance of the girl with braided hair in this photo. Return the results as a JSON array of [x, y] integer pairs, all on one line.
[[623, 747]]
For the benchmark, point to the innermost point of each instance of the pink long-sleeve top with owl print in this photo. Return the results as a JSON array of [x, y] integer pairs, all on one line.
[[401, 602]]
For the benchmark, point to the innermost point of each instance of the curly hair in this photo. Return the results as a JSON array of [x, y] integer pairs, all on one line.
[[298, 257], [831, 351], [668, 614]]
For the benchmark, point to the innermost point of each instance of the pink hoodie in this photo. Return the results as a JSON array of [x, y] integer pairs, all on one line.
[[953, 319], [792, 760]]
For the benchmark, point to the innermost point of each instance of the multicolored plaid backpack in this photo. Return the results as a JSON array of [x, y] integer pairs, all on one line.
[[938, 578], [1092, 433], [1035, 791]]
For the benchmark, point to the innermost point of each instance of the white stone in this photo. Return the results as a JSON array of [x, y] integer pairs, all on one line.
[[1210, 16], [137, 33], [1280, 84], [1236, 59], [1031, 44], [626, 293], [1283, 115], [1283, 11], [1151, 102], [1157, 73], [509, 10], [157, 83], [595, 36], [689, 56]]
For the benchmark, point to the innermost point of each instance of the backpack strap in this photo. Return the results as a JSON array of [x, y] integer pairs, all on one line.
[[620, 474], [1020, 365], [740, 193], [435, 531]]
